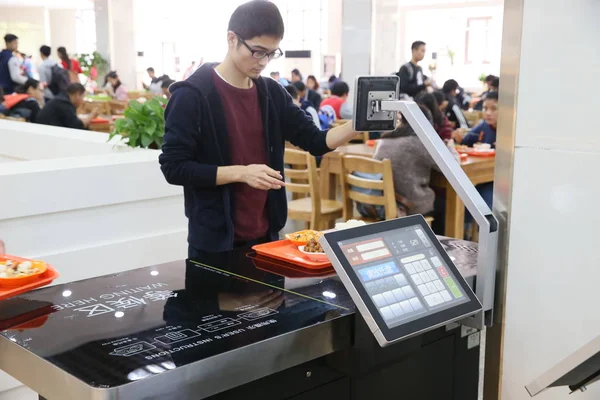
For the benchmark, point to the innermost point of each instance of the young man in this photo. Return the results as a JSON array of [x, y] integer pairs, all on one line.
[[412, 80], [62, 110], [454, 110], [296, 75], [165, 87], [153, 79], [10, 68], [277, 77], [307, 96], [308, 109], [26, 103], [45, 70], [338, 100], [225, 134], [485, 132]]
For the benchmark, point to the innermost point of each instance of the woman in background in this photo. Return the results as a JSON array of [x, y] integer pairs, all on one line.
[[440, 121], [313, 84], [115, 88], [70, 64]]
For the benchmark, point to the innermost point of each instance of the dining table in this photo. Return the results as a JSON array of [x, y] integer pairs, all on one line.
[[478, 169]]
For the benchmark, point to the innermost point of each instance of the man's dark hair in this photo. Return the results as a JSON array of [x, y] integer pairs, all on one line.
[[495, 83], [300, 86], [340, 88], [439, 96], [46, 51], [417, 44], [30, 83], [274, 73], [257, 18], [491, 96], [332, 79], [9, 38], [296, 72], [166, 83], [150, 69], [450, 86], [429, 101], [291, 89], [490, 78], [75, 88]]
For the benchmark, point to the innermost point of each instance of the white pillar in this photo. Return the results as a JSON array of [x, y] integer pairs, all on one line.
[[356, 40], [546, 190], [63, 30]]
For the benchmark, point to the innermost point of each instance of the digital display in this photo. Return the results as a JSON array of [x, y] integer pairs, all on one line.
[[403, 273]]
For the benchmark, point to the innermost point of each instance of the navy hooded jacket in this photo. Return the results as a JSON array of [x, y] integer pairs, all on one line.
[[196, 144]]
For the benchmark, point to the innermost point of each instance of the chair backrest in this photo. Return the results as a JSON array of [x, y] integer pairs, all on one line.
[[473, 117], [350, 183], [303, 169]]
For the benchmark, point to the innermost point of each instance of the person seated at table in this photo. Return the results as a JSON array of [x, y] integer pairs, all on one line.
[[115, 88], [309, 110], [485, 132], [62, 109], [411, 170], [26, 103], [492, 83], [454, 110], [313, 84], [165, 87], [440, 121], [338, 100], [307, 96]]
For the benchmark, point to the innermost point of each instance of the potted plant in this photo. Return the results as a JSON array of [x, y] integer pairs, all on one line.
[[143, 125], [93, 65]]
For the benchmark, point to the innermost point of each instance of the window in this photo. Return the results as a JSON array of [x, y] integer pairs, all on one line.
[[477, 40]]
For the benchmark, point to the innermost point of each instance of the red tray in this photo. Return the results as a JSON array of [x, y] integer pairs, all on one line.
[[286, 269], [45, 279], [473, 153], [284, 250]]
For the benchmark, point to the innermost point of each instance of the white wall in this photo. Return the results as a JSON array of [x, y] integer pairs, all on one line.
[[63, 31], [29, 24], [551, 306], [356, 41]]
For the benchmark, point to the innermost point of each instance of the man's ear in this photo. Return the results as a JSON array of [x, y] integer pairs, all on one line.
[[231, 39]]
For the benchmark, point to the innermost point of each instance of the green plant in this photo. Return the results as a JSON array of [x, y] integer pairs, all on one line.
[[87, 61], [451, 55], [143, 124], [482, 77]]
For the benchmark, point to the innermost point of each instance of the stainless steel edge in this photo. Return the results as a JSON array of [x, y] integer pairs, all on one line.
[[193, 381], [488, 241]]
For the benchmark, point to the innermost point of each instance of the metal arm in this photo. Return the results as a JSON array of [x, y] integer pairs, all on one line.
[[488, 225]]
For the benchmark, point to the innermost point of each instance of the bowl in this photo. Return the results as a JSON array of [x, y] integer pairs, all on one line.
[[313, 256], [482, 146], [24, 280]]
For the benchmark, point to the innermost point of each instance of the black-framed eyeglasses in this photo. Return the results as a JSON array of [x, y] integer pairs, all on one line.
[[260, 54]]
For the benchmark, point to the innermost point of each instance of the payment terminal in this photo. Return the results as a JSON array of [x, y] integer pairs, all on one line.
[[400, 278]]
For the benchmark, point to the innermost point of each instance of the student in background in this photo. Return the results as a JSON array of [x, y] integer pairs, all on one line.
[[485, 132], [70, 64], [10, 68], [412, 79], [307, 95], [440, 122], [25, 103], [154, 80], [62, 110], [338, 100], [165, 87], [115, 88], [45, 70], [454, 110], [308, 109], [277, 77], [296, 75], [491, 82], [313, 84]]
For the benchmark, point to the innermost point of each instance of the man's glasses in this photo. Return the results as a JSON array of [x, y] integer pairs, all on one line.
[[260, 54]]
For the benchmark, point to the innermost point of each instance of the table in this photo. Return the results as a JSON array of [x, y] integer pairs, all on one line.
[[478, 169], [225, 327]]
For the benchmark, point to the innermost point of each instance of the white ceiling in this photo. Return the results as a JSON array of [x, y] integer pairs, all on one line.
[[52, 4]]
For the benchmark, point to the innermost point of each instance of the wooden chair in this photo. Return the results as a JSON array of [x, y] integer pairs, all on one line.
[[473, 117], [117, 107], [350, 182], [314, 210]]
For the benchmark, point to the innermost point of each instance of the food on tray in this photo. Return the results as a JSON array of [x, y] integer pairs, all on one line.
[[313, 246], [352, 223], [462, 147], [303, 237], [482, 146], [14, 269]]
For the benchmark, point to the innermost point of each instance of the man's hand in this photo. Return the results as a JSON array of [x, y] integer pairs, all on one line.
[[459, 134], [261, 177], [2, 247]]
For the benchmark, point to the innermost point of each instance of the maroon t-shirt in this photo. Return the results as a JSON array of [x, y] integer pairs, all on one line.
[[247, 146]]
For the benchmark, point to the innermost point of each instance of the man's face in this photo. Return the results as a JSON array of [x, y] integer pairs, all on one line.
[[241, 53], [37, 93], [296, 78], [77, 99], [13, 46], [419, 54], [490, 111], [151, 74]]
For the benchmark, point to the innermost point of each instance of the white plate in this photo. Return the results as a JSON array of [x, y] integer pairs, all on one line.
[[313, 256]]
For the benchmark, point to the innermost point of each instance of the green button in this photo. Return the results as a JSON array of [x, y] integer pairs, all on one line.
[[453, 288]]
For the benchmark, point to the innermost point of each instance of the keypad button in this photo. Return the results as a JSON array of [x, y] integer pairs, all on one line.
[[406, 307], [387, 313], [401, 280], [425, 264], [443, 272], [425, 277], [389, 297], [397, 309], [408, 292], [445, 295], [423, 289], [390, 281], [410, 269], [417, 279], [439, 285], [437, 298], [436, 262], [379, 300], [432, 275], [431, 301], [399, 294], [430, 286], [416, 304], [418, 266]]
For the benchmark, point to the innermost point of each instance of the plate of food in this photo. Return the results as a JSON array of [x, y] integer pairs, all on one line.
[[313, 251], [478, 150], [18, 272], [301, 238]]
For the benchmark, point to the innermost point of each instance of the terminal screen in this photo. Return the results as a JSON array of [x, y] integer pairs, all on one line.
[[404, 274]]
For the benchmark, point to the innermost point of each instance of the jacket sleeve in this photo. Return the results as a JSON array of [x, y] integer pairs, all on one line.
[[178, 160], [473, 136], [299, 129], [70, 120], [15, 71], [346, 111], [406, 86]]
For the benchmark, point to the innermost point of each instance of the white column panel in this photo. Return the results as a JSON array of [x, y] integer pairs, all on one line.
[[63, 31], [356, 40]]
